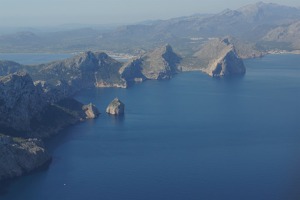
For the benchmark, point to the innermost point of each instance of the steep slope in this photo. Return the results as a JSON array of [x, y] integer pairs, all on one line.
[[57, 116], [162, 63], [249, 23], [20, 100], [218, 58], [26, 112], [244, 49], [20, 156], [285, 37], [84, 70]]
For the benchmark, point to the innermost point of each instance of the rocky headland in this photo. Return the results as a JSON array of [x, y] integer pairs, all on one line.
[[36, 100], [19, 156], [161, 63], [217, 58], [91, 111], [26, 113]]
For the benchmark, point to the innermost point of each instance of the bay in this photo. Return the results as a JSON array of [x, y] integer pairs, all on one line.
[[191, 137]]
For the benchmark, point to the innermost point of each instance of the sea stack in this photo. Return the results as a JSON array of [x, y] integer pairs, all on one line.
[[91, 111], [116, 107]]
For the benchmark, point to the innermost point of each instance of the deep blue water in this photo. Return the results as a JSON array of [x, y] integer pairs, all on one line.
[[189, 138]]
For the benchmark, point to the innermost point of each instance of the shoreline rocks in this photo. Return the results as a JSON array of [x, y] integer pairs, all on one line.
[[91, 111], [21, 156], [116, 107], [218, 58]]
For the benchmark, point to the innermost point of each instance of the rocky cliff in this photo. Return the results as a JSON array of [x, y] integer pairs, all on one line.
[[91, 111], [162, 63], [19, 156], [26, 112], [57, 116], [20, 100], [84, 70], [219, 58], [116, 107]]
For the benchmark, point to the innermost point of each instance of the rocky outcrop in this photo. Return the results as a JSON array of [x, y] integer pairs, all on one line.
[[131, 72], [84, 70], [19, 156], [26, 113], [26, 109], [59, 115], [162, 63], [116, 107], [20, 100], [219, 58], [91, 111]]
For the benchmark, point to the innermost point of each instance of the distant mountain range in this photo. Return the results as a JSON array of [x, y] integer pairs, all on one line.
[[263, 26]]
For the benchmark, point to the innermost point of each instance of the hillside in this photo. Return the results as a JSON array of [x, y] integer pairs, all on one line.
[[251, 24], [285, 37]]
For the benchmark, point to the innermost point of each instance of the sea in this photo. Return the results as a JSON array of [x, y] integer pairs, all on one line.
[[192, 137]]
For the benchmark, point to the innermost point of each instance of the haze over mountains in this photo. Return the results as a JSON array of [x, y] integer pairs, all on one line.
[[265, 25]]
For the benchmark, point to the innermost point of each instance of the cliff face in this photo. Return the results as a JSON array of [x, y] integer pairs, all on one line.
[[84, 70], [19, 156], [56, 116], [162, 63], [132, 71], [26, 112], [285, 37], [116, 107], [219, 58], [20, 100]]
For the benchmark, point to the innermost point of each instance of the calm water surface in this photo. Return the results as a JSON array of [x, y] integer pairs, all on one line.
[[192, 137]]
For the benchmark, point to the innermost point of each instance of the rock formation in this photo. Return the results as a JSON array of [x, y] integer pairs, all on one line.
[[31, 110], [59, 115], [219, 58], [20, 100], [19, 156], [131, 72], [162, 63], [25, 109], [116, 107], [84, 70], [91, 111]]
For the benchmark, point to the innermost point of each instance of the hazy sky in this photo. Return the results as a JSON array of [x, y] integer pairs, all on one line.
[[57, 12]]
